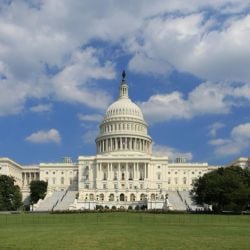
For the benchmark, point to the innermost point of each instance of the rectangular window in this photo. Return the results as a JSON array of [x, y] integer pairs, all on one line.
[[184, 180], [104, 186], [169, 180]]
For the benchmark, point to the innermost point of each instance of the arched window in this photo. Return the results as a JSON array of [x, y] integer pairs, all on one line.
[[111, 197], [132, 197], [152, 197], [122, 197], [91, 197], [102, 197], [142, 197]]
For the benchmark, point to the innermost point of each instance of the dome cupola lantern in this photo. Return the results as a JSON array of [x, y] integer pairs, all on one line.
[[123, 86]]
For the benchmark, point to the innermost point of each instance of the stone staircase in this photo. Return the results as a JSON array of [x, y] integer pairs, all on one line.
[[176, 202], [49, 202], [67, 199], [187, 197]]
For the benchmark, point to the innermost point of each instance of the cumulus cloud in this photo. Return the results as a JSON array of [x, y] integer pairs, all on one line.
[[45, 136], [172, 153], [238, 141], [90, 118], [40, 108], [214, 128], [193, 43], [45, 52], [206, 98], [75, 82]]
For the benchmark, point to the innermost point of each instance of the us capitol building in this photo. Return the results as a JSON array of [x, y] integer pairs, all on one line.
[[123, 173]]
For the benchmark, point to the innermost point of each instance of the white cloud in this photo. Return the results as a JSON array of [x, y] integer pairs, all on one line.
[[141, 63], [41, 108], [214, 128], [238, 141], [206, 98], [75, 83], [208, 48], [90, 118], [172, 153], [40, 35], [45, 136]]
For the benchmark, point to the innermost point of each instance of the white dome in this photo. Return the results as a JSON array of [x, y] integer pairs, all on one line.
[[124, 107]]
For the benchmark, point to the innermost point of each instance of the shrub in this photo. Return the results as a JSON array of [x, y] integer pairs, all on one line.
[[137, 207]]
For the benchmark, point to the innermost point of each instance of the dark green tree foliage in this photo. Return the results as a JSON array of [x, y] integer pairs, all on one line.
[[10, 194], [38, 190], [224, 189]]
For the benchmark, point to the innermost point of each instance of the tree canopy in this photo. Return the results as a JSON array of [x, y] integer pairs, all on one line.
[[10, 194], [224, 189], [38, 190]]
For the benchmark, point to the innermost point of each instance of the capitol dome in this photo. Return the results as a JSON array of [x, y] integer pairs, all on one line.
[[123, 127], [124, 107]]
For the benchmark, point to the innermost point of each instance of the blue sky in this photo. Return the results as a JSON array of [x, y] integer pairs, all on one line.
[[187, 65]]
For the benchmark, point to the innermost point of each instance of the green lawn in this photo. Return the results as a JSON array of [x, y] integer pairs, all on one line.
[[124, 231]]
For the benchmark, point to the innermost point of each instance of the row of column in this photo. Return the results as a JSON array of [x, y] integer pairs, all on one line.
[[123, 143], [122, 171], [27, 177]]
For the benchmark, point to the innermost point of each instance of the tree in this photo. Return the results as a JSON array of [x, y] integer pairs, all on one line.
[[38, 190], [224, 189], [10, 194]]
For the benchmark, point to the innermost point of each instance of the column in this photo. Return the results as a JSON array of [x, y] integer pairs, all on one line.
[[28, 178], [97, 171], [126, 143], [136, 173], [145, 171], [108, 171], [24, 179], [111, 171], [126, 171], [119, 165]]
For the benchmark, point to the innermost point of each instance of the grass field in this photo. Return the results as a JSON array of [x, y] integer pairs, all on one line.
[[124, 231]]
